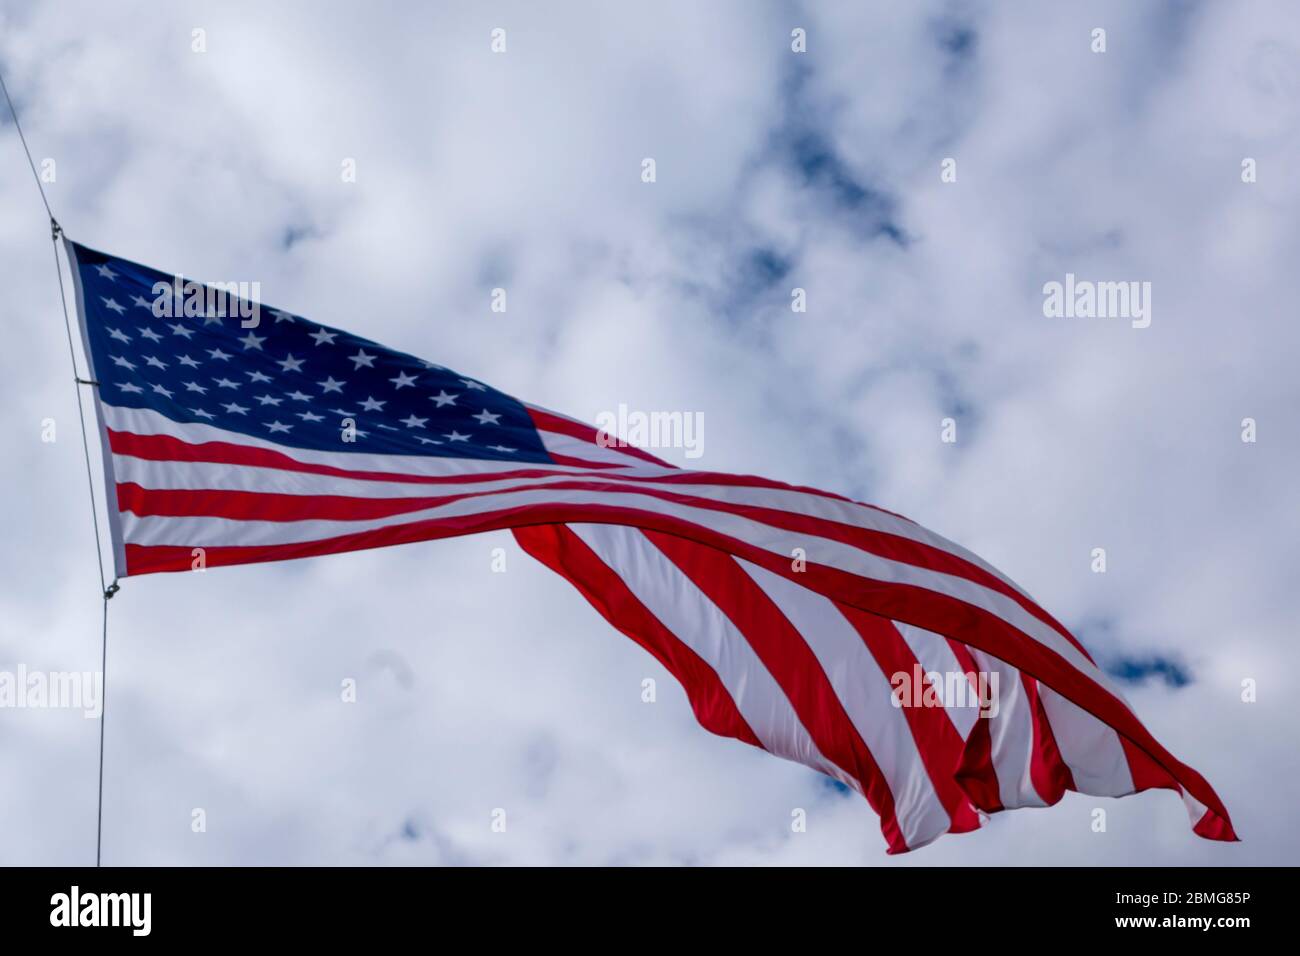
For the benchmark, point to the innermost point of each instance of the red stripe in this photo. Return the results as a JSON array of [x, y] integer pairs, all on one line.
[[266, 506], [569, 556], [937, 740], [1146, 773], [550, 422], [1211, 826], [167, 448], [965, 659], [1047, 770], [975, 773], [792, 663], [570, 462], [900, 602]]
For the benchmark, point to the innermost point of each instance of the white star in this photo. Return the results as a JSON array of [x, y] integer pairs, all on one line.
[[187, 361], [211, 319], [129, 387], [323, 338], [290, 364], [371, 405], [277, 427], [106, 272], [330, 385], [162, 391], [218, 354], [252, 341], [427, 441], [501, 448], [281, 316], [268, 399], [411, 421], [234, 409], [403, 379], [201, 413], [156, 363], [298, 396], [196, 387], [311, 417], [119, 335], [258, 377], [142, 302], [113, 304], [118, 360], [226, 383], [456, 436], [442, 398], [151, 335], [470, 383], [361, 358], [486, 418], [178, 329]]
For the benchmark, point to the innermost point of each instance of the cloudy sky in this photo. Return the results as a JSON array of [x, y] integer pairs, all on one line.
[[775, 170]]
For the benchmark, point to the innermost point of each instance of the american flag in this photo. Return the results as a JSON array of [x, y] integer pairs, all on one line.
[[787, 613]]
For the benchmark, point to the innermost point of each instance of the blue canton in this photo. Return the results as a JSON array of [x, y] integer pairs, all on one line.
[[287, 380]]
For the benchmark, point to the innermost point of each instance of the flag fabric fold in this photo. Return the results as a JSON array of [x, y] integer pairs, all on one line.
[[234, 433]]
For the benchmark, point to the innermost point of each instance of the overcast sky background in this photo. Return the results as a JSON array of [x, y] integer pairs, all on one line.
[[775, 170]]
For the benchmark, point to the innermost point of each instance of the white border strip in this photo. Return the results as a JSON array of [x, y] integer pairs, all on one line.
[[110, 481]]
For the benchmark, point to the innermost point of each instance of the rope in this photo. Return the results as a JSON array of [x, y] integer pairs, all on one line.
[[106, 590], [18, 126]]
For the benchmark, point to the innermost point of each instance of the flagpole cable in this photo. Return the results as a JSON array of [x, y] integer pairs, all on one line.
[[18, 126], [106, 590]]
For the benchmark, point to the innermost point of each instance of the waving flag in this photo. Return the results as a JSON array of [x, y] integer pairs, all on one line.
[[791, 616]]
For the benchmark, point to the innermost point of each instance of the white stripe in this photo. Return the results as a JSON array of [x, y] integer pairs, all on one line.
[[202, 475], [1011, 733], [864, 691], [699, 624], [934, 655], [1195, 809], [1090, 748]]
